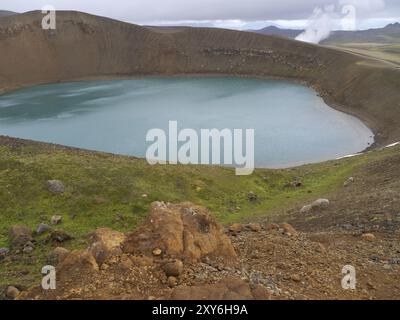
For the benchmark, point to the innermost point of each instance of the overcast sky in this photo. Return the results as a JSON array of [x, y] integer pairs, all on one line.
[[238, 14]]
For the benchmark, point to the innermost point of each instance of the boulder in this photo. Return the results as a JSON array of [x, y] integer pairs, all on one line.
[[182, 231], [55, 186], [20, 235], [105, 242], [228, 289], [57, 256], [77, 264]]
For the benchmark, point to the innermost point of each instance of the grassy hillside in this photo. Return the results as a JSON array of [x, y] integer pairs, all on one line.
[[104, 190]]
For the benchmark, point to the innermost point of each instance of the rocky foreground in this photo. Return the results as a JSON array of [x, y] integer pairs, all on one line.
[[181, 252]]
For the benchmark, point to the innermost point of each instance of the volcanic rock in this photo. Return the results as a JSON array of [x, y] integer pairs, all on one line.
[[20, 235], [57, 256], [173, 268], [57, 219], [55, 186], [105, 242], [77, 263], [288, 229], [42, 228], [183, 231], [12, 292]]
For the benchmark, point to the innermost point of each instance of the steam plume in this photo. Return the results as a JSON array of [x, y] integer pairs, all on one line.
[[341, 16]]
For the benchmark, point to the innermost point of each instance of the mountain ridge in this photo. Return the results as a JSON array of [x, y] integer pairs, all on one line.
[[86, 47], [388, 34]]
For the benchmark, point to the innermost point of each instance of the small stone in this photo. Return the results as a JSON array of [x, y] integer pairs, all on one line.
[[320, 203], [119, 217], [28, 248], [368, 237], [348, 182], [252, 196], [12, 292], [347, 226], [296, 278], [142, 261], [60, 236], [4, 251], [172, 282], [42, 228], [236, 228], [56, 219], [288, 229], [157, 252], [126, 263], [99, 200], [259, 292], [255, 227], [306, 209], [272, 227], [104, 266], [20, 235], [55, 186], [174, 268], [371, 285]]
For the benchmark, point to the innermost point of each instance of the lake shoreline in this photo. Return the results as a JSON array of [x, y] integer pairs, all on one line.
[[362, 116], [290, 159]]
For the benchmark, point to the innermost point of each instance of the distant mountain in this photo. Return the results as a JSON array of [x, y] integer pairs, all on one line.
[[275, 31], [5, 13], [386, 35]]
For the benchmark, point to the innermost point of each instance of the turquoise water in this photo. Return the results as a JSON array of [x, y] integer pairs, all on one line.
[[292, 124]]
